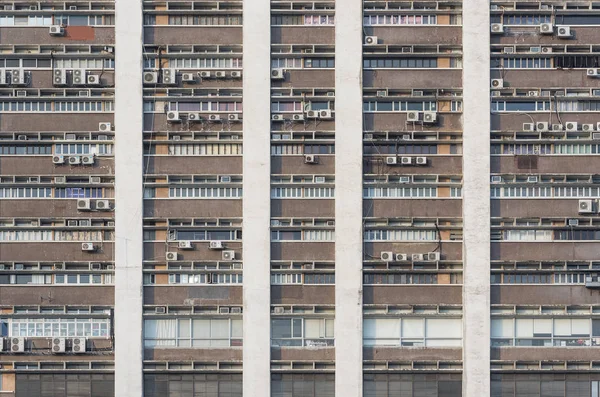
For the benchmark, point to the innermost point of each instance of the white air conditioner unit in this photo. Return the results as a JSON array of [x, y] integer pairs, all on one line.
[[528, 127], [205, 74], [546, 28], [278, 74], [417, 257], [160, 310], [173, 117], [228, 255], [572, 222], [87, 159], [311, 159], [75, 160], [391, 160], [298, 117], [406, 137], [194, 117], [586, 207], [214, 117], [58, 345], [404, 179], [497, 28], [371, 40], [571, 126], [233, 117], [508, 50], [596, 135], [171, 256], [557, 127], [104, 127], [563, 32], [224, 310], [225, 179], [381, 93], [401, 257], [541, 126], [169, 77], [88, 247], [17, 345], [60, 179], [412, 116], [546, 50], [497, 83], [84, 204], [406, 160], [279, 310], [421, 160], [56, 30], [588, 127], [215, 245], [532, 179], [325, 114], [188, 77], [95, 266], [220, 74], [58, 159], [78, 345], [185, 245], [102, 205], [533, 93], [312, 114], [535, 50], [496, 179], [319, 179], [60, 77], [150, 77], [3, 75], [93, 80], [593, 72], [17, 77], [79, 77], [236, 74], [369, 137], [387, 256], [432, 256], [276, 117]]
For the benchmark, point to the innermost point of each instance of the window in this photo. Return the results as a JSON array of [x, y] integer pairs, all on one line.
[[302, 385], [193, 332], [375, 20], [313, 332], [303, 235], [205, 192], [425, 385], [400, 192], [79, 149], [417, 332], [206, 149], [197, 385], [398, 106], [400, 63], [300, 192], [545, 332], [63, 327], [401, 235], [206, 278]]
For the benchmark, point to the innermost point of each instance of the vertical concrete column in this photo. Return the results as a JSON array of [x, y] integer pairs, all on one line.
[[257, 197], [128, 198], [476, 198], [348, 199]]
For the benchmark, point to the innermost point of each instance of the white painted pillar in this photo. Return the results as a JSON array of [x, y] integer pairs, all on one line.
[[348, 199], [128, 198], [476, 198], [257, 197]]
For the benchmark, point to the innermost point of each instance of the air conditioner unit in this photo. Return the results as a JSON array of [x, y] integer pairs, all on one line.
[[58, 345], [236, 74], [391, 160], [421, 161], [205, 74], [17, 345], [404, 179], [596, 135], [432, 256], [593, 72], [508, 50], [88, 247], [194, 117], [79, 76], [571, 126], [160, 310], [103, 205], [225, 179], [528, 127], [278, 310], [171, 256], [312, 114], [150, 77], [563, 32], [277, 117], [17, 77], [406, 160], [87, 159], [278, 74], [387, 256], [215, 245], [319, 179], [298, 117], [412, 116], [406, 137], [78, 345], [325, 114], [496, 179], [220, 74], [532, 179], [535, 50], [173, 117], [572, 222], [369, 137], [371, 40], [546, 28], [95, 266], [381, 93], [58, 266], [185, 245], [56, 30], [588, 127], [497, 83], [401, 257], [72, 223], [541, 126], [311, 159], [60, 77], [236, 310], [497, 28], [188, 77], [533, 93], [58, 159], [3, 79], [70, 137], [228, 255], [546, 50], [557, 127], [214, 117], [60, 179], [104, 127], [84, 204], [93, 80], [75, 160], [169, 77], [417, 257], [586, 206], [233, 117]]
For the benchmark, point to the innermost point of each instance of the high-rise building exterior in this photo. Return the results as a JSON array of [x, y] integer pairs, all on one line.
[[226, 198]]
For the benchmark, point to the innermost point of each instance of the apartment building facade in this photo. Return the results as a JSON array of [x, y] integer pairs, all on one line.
[[299, 198]]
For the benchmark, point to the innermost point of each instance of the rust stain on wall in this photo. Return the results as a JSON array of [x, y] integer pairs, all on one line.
[[80, 33]]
